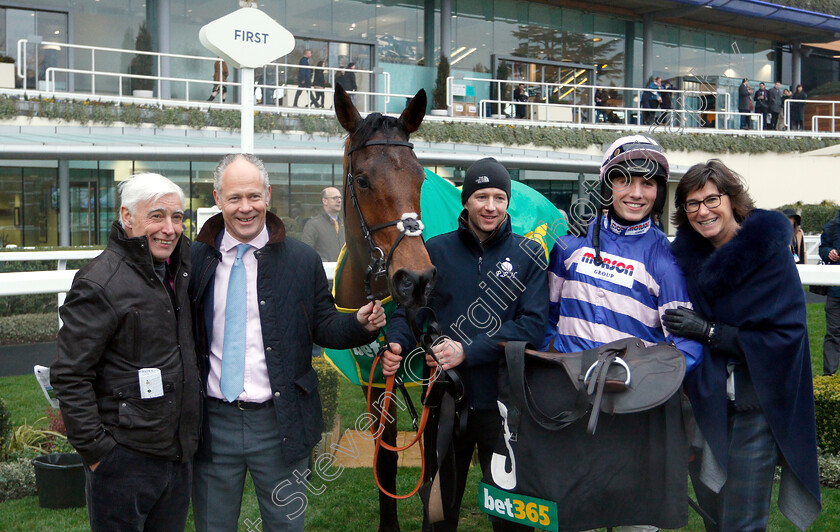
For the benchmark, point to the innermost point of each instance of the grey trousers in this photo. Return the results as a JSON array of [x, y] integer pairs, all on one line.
[[239, 442], [831, 345]]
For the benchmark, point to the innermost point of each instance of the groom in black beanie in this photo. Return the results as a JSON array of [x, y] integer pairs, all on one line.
[[473, 263]]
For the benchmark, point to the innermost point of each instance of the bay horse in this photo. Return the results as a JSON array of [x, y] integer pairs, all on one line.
[[384, 251]]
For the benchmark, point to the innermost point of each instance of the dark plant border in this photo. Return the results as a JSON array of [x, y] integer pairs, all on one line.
[[106, 113]]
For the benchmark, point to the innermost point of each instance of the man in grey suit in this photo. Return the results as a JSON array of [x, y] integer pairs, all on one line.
[[325, 231]]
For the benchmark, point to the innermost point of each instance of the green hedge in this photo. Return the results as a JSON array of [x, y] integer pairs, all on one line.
[[29, 328], [328, 382], [827, 405]]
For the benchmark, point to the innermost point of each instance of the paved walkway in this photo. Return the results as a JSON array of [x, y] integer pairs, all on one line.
[[355, 450]]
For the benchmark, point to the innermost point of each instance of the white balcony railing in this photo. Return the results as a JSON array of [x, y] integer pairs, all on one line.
[[278, 96]]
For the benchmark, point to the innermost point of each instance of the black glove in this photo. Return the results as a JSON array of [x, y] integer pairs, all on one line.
[[686, 323]]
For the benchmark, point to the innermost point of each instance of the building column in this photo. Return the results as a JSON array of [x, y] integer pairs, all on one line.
[[796, 64], [64, 203], [445, 28], [629, 57], [164, 46], [157, 20], [429, 32], [647, 49]]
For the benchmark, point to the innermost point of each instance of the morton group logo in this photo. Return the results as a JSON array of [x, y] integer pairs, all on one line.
[[612, 268]]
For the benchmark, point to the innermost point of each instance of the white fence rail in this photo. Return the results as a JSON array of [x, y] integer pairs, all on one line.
[[58, 281]]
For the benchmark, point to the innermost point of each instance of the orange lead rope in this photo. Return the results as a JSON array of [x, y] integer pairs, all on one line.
[[386, 403]]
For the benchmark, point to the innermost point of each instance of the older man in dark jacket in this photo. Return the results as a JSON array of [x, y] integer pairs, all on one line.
[[126, 375], [260, 300]]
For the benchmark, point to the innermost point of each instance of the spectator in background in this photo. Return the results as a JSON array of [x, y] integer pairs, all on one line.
[[520, 95], [780, 124], [220, 73], [651, 99], [762, 104], [797, 109], [348, 80], [600, 103], [797, 245], [324, 232], [829, 246], [745, 104], [304, 75], [319, 83], [774, 97]]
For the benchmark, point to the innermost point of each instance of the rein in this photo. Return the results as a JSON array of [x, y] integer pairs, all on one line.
[[441, 383], [445, 388], [408, 224]]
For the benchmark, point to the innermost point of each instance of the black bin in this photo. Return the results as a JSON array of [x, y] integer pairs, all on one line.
[[60, 480]]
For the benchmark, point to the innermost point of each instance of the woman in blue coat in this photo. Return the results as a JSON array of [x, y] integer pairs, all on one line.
[[752, 395]]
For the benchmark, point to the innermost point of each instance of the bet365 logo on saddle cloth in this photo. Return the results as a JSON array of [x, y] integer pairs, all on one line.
[[529, 511]]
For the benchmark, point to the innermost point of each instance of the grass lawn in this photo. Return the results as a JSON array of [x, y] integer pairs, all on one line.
[[350, 502]]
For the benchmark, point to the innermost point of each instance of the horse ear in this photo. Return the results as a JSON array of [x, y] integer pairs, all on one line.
[[414, 112], [348, 115]]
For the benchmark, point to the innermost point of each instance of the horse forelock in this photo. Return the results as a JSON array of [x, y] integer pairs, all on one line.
[[372, 124]]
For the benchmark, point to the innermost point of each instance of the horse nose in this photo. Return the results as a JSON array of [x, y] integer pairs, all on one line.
[[414, 287]]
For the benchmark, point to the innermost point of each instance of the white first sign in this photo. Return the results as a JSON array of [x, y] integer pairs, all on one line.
[[247, 38]]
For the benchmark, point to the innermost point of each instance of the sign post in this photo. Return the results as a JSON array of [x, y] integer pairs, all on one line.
[[247, 39]]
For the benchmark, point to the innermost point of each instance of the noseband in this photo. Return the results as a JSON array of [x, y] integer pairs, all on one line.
[[408, 224]]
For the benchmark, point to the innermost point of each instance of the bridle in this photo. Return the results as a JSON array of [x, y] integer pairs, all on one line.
[[408, 224]]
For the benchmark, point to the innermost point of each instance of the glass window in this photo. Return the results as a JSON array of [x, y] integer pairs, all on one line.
[[472, 25], [352, 19], [693, 53], [399, 28], [201, 193], [577, 43], [741, 58], [510, 22], [718, 52], [608, 51], [312, 17], [39, 212], [11, 206], [666, 51]]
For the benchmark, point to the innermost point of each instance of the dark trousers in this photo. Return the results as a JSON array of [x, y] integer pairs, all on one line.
[[483, 427], [743, 503], [774, 120], [304, 85], [745, 119], [831, 345], [129, 491]]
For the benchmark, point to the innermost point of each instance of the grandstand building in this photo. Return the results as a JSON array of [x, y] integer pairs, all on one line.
[[561, 51]]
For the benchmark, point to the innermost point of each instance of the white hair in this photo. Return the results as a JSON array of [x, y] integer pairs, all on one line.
[[146, 187]]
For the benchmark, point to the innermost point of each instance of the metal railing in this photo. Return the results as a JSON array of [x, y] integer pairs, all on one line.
[[279, 94], [791, 101], [159, 80]]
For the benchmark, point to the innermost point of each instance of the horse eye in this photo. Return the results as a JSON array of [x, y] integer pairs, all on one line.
[[362, 182]]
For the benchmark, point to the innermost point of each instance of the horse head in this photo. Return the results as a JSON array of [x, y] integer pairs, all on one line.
[[382, 205]]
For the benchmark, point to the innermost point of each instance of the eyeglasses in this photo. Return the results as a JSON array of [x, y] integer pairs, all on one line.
[[710, 202]]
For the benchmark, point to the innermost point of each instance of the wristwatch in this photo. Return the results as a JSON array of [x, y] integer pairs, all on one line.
[[711, 334]]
